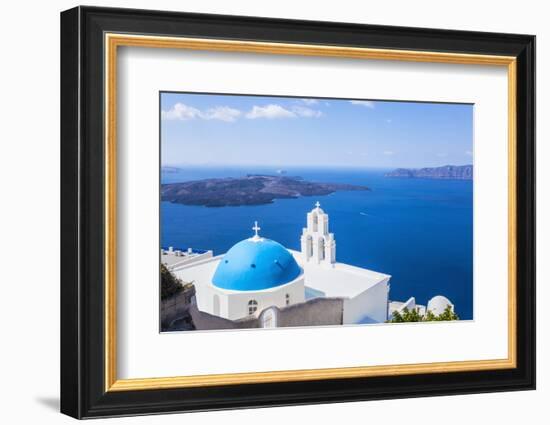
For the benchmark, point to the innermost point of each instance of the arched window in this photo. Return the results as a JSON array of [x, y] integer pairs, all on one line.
[[252, 306], [321, 249], [315, 222], [287, 299]]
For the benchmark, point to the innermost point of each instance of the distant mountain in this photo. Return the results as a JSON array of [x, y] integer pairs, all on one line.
[[167, 169], [248, 190], [449, 172]]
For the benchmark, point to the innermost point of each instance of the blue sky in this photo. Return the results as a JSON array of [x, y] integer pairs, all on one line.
[[204, 129]]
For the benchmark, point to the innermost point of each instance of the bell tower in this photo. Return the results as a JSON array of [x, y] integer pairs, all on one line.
[[318, 245]]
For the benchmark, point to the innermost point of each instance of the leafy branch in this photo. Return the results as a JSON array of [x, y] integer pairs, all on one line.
[[414, 315]]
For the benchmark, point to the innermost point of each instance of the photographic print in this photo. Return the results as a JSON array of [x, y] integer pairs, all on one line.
[[293, 212]]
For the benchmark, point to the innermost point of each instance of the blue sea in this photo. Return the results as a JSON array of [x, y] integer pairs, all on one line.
[[420, 231]]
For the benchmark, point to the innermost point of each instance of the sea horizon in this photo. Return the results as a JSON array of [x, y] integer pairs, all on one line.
[[276, 167]]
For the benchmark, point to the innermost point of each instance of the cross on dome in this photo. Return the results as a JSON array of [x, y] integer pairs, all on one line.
[[256, 228], [317, 204], [256, 237]]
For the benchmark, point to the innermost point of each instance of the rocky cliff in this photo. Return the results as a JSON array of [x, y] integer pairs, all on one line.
[[457, 172]]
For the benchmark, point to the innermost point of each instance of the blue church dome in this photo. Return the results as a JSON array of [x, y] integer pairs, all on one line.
[[256, 264]]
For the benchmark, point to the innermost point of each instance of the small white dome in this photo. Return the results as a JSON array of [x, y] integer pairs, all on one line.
[[438, 304]]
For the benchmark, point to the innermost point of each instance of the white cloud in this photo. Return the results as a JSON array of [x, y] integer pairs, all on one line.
[[222, 113], [389, 153], [306, 112], [183, 112], [389, 121], [271, 111], [469, 153], [365, 103], [310, 101]]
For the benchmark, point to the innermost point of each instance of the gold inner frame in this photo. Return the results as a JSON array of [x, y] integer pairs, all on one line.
[[113, 41]]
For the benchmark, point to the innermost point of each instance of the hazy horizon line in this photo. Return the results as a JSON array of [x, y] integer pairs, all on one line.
[[282, 167]]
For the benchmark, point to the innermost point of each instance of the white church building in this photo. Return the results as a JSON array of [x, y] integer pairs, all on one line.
[[258, 273]]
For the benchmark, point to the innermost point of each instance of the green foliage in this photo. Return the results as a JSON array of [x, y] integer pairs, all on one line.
[[414, 316], [406, 316], [430, 317], [448, 314], [169, 284]]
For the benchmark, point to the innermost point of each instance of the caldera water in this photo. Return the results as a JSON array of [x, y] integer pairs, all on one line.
[[419, 231]]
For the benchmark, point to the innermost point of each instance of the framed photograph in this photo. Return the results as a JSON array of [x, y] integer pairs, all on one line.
[[261, 212]]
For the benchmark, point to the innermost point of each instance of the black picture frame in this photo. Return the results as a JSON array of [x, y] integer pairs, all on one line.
[[83, 392]]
